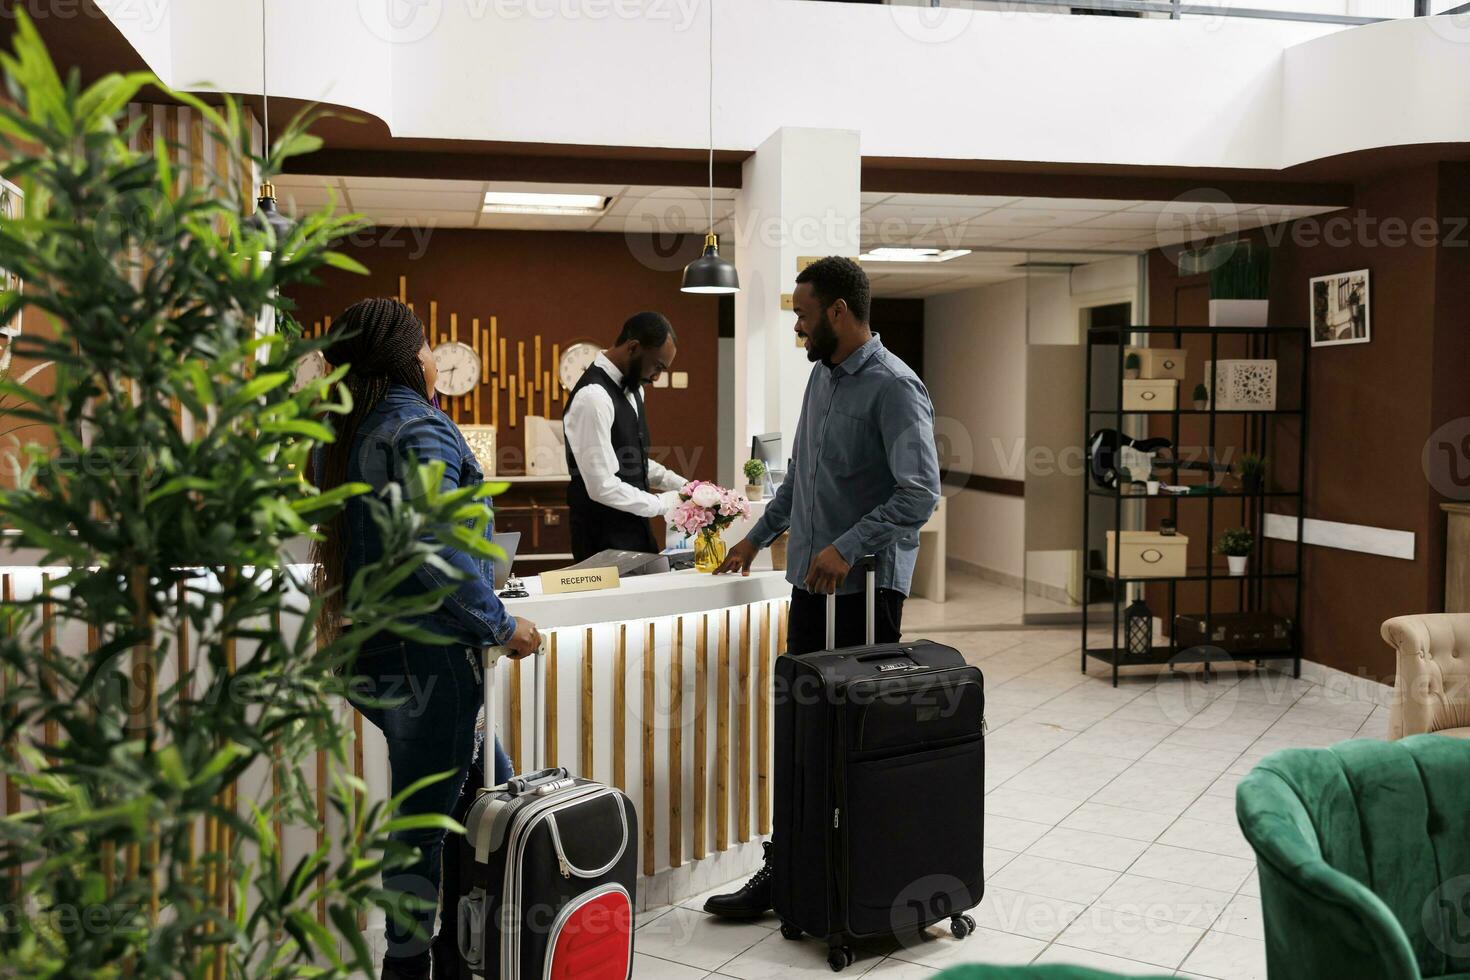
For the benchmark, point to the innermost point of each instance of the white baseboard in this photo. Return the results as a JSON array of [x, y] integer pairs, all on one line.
[[1351, 686], [1040, 589]]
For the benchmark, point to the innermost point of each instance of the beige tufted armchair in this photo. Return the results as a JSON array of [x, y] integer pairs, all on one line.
[[1432, 690]]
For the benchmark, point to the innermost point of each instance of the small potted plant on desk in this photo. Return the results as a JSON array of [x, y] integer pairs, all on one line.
[[1236, 544], [755, 487], [1252, 472]]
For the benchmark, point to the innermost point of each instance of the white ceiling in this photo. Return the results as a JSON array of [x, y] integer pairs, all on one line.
[[1001, 232]]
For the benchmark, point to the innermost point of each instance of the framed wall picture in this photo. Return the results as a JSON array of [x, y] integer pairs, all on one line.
[[12, 206], [1340, 309]]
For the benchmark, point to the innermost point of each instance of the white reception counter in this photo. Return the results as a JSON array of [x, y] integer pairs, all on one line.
[[661, 687]]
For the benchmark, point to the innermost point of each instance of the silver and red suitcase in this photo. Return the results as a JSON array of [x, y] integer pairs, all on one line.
[[541, 885]]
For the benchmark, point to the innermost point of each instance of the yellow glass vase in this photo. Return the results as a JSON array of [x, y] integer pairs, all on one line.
[[709, 551]]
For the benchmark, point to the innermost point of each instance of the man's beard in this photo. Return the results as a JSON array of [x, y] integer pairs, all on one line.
[[821, 341], [633, 377]]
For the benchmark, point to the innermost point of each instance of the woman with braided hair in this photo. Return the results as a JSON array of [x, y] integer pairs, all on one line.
[[436, 689]]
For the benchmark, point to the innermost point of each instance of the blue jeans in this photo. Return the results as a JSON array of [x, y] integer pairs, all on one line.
[[431, 731]]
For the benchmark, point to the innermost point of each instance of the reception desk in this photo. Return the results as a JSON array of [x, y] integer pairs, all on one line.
[[660, 687]]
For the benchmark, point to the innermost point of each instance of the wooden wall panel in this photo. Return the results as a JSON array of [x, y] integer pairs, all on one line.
[[536, 289]]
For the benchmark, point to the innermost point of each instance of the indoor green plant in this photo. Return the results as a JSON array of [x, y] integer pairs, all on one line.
[[1251, 469], [155, 289], [1132, 364], [1201, 397], [755, 486], [1235, 544], [1240, 282]]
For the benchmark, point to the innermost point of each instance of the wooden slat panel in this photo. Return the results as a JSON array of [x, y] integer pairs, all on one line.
[[556, 370], [649, 823], [503, 372], [701, 737], [12, 792], [742, 702], [722, 736], [763, 724], [512, 402], [514, 733], [550, 708], [433, 323], [50, 731], [520, 372], [403, 289], [620, 710], [587, 758], [676, 746]]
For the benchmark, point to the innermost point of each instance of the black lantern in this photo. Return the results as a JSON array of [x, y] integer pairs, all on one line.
[[709, 273], [1138, 628]]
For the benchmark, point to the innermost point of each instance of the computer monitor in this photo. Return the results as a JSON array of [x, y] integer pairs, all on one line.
[[510, 542], [767, 449]]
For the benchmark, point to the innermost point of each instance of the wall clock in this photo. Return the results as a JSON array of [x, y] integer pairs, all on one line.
[[459, 368], [575, 361]]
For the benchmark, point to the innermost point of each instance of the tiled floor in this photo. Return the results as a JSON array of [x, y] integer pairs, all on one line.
[[1109, 821]]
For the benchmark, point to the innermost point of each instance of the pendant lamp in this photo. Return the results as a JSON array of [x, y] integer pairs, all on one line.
[[709, 273], [266, 213]]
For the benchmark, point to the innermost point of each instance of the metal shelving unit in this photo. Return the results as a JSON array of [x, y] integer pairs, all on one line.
[[1252, 503]]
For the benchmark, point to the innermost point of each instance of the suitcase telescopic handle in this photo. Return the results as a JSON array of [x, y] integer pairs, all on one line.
[[492, 655], [869, 564]]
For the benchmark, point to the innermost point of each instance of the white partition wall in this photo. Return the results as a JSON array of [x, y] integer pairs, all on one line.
[[799, 198]]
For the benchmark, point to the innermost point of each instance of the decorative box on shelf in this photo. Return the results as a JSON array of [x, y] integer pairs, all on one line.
[[546, 447], [481, 440], [1150, 395], [1148, 554], [1155, 363], [1243, 385], [1237, 632]]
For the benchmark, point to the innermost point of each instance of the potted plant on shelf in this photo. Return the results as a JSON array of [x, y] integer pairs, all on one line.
[[704, 510], [1239, 285], [755, 487], [1252, 472], [1201, 397], [1235, 544], [1132, 364]]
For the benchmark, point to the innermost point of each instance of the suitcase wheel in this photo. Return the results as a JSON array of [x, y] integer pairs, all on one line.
[[839, 958], [961, 926], [790, 931]]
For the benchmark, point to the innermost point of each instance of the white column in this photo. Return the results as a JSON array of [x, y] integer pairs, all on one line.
[[799, 197]]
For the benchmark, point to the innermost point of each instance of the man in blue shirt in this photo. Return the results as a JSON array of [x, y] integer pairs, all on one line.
[[863, 478]]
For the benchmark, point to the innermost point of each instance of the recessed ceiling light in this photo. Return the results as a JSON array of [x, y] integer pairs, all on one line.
[[504, 202], [912, 254]]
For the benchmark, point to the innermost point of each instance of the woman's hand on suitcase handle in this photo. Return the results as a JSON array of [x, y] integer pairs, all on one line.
[[738, 558], [828, 572], [525, 641]]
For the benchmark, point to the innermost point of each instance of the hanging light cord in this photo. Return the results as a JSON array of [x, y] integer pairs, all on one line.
[[711, 117], [265, 96]]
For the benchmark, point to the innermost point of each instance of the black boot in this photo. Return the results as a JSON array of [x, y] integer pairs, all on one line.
[[751, 901], [415, 969]]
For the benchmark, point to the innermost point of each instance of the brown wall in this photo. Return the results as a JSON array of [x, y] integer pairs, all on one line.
[[564, 286], [1371, 406]]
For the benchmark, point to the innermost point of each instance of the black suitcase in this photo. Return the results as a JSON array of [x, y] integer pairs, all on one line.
[[879, 790], [542, 883]]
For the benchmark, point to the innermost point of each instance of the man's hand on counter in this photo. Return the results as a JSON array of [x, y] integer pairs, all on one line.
[[525, 641], [738, 559]]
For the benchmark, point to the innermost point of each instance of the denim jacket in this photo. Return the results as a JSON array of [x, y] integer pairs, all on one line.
[[404, 424]]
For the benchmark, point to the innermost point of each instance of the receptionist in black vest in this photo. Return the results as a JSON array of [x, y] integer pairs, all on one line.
[[615, 488]]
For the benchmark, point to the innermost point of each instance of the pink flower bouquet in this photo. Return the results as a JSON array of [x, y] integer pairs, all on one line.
[[707, 508]]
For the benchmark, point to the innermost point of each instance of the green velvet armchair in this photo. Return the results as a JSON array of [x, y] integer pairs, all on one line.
[[1364, 857]]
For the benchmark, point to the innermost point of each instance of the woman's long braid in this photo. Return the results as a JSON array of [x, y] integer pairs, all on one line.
[[380, 340]]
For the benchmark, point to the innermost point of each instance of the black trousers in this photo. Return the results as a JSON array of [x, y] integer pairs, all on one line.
[[806, 631]]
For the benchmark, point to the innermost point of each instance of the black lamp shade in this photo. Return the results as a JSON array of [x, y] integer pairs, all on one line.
[[266, 215], [709, 273]]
